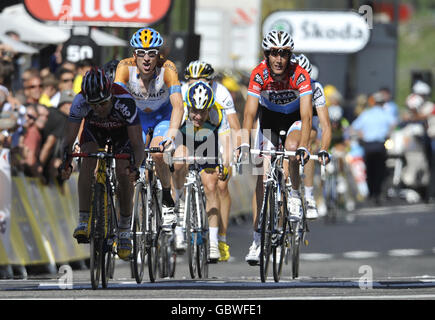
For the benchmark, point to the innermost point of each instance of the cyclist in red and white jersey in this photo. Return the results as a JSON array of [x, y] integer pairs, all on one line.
[[280, 91]]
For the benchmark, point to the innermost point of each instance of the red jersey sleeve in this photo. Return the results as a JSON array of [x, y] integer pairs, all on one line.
[[302, 81], [256, 81]]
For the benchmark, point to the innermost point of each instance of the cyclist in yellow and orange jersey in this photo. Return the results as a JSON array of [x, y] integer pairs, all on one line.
[[153, 83]]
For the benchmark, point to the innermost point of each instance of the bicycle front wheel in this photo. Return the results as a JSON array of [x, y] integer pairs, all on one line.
[[153, 231], [97, 234], [266, 214], [281, 240], [139, 220], [191, 233]]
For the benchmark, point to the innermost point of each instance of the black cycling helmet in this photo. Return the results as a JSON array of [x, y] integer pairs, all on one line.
[[96, 86], [110, 68]]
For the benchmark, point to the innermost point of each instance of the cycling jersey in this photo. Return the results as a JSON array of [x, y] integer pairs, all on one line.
[[279, 100], [221, 95], [122, 115], [205, 140], [153, 103]]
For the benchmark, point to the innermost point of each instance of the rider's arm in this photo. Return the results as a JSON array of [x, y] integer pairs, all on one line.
[[325, 124], [135, 137], [251, 107], [306, 111], [172, 82]]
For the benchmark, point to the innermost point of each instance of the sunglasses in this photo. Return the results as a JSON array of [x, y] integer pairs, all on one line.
[[31, 116], [34, 86], [152, 53], [101, 103], [280, 52], [67, 80]]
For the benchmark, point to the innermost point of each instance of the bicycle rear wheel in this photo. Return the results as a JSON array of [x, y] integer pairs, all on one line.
[[203, 243], [139, 216], [266, 232]]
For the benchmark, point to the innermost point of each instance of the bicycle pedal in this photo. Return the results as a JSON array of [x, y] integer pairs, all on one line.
[[213, 261]]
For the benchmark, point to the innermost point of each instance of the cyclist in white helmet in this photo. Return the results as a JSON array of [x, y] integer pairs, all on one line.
[[281, 91], [200, 70], [204, 129], [320, 118]]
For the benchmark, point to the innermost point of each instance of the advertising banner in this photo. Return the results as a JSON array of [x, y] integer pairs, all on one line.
[[321, 31], [99, 12]]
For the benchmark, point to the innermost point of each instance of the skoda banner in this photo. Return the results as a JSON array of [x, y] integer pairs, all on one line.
[[321, 31]]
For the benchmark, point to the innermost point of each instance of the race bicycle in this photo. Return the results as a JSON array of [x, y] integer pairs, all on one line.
[[195, 220], [103, 220], [151, 243], [279, 233]]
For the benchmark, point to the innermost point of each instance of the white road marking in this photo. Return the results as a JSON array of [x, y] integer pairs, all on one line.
[[405, 252], [360, 254]]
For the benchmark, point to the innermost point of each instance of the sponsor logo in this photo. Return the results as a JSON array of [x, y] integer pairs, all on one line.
[[258, 79], [317, 93], [123, 109], [282, 97], [265, 74], [301, 79], [117, 11]]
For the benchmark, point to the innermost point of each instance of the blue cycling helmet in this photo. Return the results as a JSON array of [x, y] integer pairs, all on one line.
[[199, 95], [146, 38]]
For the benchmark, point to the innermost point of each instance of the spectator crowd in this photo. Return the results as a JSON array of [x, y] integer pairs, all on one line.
[[34, 113]]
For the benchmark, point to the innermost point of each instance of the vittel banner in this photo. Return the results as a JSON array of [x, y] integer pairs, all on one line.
[[99, 12], [321, 31]]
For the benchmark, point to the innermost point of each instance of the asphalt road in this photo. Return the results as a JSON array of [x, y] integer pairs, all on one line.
[[380, 253]]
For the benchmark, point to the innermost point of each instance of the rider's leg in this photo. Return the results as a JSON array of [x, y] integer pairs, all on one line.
[[309, 183], [162, 168], [224, 216], [125, 195], [210, 181], [291, 144], [84, 190]]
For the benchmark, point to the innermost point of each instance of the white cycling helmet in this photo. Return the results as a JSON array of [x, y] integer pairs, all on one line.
[[421, 88], [414, 101], [335, 113], [304, 63], [199, 95], [277, 39]]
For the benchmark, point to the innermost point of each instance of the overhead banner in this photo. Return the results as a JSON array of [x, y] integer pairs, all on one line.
[[321, 31], [99, 12]]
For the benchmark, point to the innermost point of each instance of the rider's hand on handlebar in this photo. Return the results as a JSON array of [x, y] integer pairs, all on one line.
[[302, 153], [324, 157], [242, 153], [167, 145]]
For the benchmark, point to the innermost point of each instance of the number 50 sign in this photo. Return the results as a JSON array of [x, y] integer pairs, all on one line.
[[79, 48]]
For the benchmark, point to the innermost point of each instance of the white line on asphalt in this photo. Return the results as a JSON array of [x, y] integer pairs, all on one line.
[[405, 252], [360, 254]]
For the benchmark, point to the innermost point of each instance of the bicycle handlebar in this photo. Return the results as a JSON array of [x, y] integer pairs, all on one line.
[[101, 155], [278, 153]]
